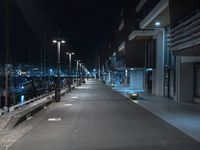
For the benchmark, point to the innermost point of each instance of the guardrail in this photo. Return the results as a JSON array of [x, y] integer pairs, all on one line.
[[20, 105], [28, 109], [12, 108]]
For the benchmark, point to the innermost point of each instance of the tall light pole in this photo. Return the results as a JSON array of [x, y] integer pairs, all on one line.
[[83, 74], [77, 62], [80, 72], [7, 40], [82, 68], [57, 88], [70, 60]]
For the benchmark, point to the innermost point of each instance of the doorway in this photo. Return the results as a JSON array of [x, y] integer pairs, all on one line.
[[169, 83]]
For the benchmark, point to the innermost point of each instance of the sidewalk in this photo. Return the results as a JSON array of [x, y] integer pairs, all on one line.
[[183, 116], [93, 114]]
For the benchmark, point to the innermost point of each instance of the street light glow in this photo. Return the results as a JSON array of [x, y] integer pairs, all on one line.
[[55, 41], [70, 53], [59, 41], [63, 41]]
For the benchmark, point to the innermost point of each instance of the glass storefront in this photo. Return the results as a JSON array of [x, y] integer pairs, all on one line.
[[148, 85], [169, 90]]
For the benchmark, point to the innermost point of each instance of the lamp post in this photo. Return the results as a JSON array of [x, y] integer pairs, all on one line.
[[57, 88], [80, 72], [82, 67], [70, 60], [77, 63], [83, 74]]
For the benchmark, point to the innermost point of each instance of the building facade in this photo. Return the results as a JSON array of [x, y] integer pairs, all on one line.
[[185, 45], [156, 48]]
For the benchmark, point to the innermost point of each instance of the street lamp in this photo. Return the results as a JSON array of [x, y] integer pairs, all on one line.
[[57, 88], [77, 63], [85, 73], [82, 67], [80, 64], [70, 58]]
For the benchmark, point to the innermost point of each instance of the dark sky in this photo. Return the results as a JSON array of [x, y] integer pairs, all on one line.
[[86, 25]]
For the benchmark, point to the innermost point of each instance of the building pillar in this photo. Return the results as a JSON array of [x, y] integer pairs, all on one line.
[[178, 63], [158, 73]]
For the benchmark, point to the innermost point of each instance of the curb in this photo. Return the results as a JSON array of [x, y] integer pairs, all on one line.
[[15, 118], [26, 113]]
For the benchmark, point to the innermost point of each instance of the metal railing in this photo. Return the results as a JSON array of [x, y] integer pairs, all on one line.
[[20, 105]]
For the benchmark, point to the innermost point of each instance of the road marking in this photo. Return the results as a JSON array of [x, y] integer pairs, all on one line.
[[29, 118], [74, 97], [54, 119], [67, 105], [135, 101]]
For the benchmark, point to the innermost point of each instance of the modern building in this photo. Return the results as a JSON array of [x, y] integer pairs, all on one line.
[[155, 24], [185, 45], [156, 48], [124, 71]]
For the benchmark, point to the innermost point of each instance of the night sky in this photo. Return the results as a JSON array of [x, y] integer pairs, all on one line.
[[86, 25]]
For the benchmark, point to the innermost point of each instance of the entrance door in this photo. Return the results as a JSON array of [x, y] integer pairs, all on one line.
[[149, 81], [169, 88]]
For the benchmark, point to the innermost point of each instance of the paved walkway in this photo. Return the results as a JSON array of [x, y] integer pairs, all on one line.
[[94, 117], [184, 116]]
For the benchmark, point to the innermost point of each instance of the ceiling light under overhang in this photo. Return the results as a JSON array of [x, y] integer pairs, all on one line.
[[157, 23]]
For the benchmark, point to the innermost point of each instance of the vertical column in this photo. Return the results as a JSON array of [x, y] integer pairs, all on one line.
[[7, 48], [57, 91], [158, 73], [178, 63]]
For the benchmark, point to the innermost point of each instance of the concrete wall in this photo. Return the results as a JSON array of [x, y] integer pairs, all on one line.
[[158, 73], [190, 59], [137, 79], [185, 81]]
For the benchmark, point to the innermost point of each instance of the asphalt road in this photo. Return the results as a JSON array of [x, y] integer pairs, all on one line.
[[94, 117]]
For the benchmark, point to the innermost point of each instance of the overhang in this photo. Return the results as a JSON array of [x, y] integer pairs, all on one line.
[[121, 47], [160, 13], [140, 4], [141, 34]]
